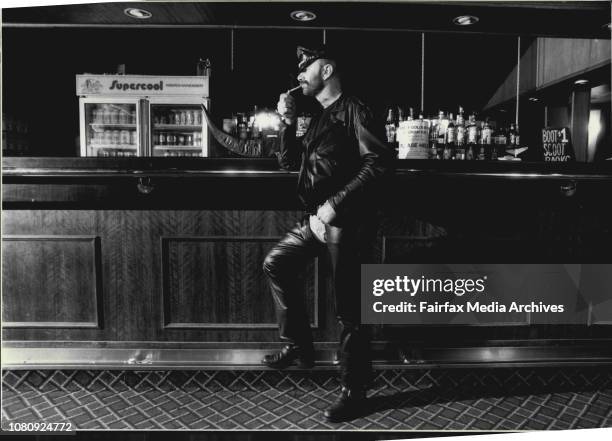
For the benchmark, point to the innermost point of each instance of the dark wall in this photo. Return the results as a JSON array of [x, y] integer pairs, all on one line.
[[39, 68]]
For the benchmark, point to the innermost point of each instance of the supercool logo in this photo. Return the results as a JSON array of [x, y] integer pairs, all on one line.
[[116, 85]]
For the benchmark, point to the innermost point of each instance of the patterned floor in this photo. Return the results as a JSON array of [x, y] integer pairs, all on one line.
[[476, 399]]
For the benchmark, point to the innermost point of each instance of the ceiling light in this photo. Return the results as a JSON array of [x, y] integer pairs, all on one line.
[[137, 13], [607, 25], [581, 81], [465, 20], [533, 99], [303, 15]]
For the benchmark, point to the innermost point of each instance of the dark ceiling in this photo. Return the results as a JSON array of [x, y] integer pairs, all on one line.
[[586, 19]]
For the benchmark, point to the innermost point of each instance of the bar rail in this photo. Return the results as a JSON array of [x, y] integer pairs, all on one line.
[[50, 167]]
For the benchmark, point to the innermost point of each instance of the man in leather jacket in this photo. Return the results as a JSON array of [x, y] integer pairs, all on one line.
[[341, 163]]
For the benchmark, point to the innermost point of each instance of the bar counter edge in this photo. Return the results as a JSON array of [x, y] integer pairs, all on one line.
[[127, 234]]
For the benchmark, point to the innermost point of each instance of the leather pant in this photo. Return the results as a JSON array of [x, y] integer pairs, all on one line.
[[283, 266]]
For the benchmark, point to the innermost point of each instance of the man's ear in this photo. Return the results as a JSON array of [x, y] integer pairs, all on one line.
[[328, 70]]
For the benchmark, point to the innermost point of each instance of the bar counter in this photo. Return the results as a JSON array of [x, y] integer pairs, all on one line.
[[156, 262]]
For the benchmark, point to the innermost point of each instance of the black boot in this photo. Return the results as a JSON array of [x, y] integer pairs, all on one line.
[[349, 405], [303, 356]]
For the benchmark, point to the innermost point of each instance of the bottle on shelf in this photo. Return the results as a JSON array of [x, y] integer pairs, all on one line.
[[433, 138], [251, 126], [391, 127], [441, 136], [460, 136], [472, 138], [512, 136], [486, 136], [243, 129], [449, 147]]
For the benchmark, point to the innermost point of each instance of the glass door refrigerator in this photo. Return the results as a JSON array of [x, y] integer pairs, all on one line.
[[138, 115], [177, 127]]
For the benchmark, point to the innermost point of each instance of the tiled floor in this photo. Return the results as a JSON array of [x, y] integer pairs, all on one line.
[[459, 399]]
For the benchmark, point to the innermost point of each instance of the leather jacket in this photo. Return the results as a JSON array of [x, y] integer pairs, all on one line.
[[341, 158]]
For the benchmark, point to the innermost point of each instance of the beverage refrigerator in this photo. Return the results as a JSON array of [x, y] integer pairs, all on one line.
[[142, 115]]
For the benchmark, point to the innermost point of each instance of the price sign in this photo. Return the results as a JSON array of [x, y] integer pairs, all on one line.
[[556, 145]]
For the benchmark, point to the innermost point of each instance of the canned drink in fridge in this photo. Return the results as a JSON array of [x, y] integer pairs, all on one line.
[[124, 137], [124, 116], [133, 117], [108, 137], [114, 115], [181, 140], [183, 119], [106, 115], [161, 139], [116, 137], [170, 139], [177, 117], [189, 140], [189, 118], [133, 137], [197, 117]]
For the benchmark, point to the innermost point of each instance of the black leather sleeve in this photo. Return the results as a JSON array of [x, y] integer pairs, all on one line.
[[289, 148], [376, 160]]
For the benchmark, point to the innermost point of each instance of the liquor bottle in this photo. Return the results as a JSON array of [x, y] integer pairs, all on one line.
[[401, 115], [390, 127], [243, 127], [481, 156], [449, 148], [486, 139], [512, 136], [410, 114], [460, 136], [472, 137], [441, 141], [251, 121], [433, 138]]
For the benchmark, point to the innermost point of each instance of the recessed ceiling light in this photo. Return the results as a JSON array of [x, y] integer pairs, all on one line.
[[137, 13], [303, 15], [465, 20], [581, 81]]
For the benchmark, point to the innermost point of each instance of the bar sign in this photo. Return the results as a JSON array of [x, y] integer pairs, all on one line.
[[556, 145]]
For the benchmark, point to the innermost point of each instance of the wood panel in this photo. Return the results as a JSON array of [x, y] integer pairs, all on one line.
[[218, 282], [560, 58], [132, 271], [529, 62], [51, 281]]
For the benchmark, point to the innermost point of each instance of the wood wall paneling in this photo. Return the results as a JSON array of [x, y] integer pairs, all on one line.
[[218, 282], [560, 58], [51, 281], [529, 63]]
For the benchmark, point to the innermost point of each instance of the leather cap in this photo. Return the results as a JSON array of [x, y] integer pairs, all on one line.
[[308, 55]]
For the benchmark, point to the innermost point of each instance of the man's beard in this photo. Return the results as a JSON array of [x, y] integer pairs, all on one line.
[[312, 89]]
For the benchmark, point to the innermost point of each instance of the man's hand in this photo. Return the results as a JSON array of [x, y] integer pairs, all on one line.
[[286, 107], [326, 213]]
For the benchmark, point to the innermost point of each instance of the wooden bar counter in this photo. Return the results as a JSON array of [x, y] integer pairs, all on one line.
[[156, 263]]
